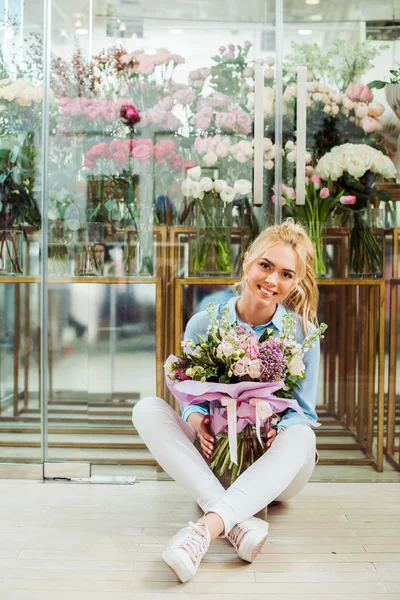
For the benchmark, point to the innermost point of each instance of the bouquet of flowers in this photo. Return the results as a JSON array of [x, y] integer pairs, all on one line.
[[354, 168], [245, 380]]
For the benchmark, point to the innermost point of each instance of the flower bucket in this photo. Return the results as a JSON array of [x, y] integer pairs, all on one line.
[[366, 243], [89, 250], [210, 245], [11, 252]]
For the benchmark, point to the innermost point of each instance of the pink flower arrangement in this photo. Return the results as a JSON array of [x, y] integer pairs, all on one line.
[[89, 111], [232, 119], [143, 150]]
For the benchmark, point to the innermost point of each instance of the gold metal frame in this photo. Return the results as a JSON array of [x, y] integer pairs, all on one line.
[[393, 435]]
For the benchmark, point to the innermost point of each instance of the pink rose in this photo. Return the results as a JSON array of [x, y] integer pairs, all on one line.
[[222, 49], [244, 123], [158, 155], [255, 369], [168, 146], [144, 142], [201, 121], [90, 164], [231, 46], [225, 120], [185, 96], [99, 150], [176, 163], [324, 193], [142, 152], [120, 158], [188, 164], [348, 199], [240, 369], [376, 109]]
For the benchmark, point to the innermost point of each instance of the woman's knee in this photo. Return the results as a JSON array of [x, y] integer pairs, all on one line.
[[303, 436], [146, 409]]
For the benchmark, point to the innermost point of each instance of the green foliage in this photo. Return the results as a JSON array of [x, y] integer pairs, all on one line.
[[340, 65]]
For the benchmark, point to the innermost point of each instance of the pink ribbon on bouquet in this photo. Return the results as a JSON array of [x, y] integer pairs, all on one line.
[[263, 412]]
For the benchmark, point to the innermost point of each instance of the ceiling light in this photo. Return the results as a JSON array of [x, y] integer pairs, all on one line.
[[176, 31], [316, 17], [304, 32], [81, 31], [312, 1]]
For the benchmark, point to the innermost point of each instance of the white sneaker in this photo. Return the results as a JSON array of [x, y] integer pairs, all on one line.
[[186, 549], [248, 538]]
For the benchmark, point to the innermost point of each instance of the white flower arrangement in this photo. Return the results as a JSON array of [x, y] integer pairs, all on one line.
[[196, 186], [356, 159], [21, 92]]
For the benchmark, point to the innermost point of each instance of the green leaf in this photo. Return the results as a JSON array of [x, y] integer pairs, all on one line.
[[376, 84], [4, 152]]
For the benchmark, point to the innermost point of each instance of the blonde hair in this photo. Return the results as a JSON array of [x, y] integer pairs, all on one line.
[[303, 299]]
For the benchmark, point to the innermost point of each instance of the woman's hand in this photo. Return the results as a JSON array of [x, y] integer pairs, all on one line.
[[205, 437], [271, 435]]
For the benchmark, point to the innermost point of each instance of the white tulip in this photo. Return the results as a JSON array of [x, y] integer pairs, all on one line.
[[187, 187], [210, 159]]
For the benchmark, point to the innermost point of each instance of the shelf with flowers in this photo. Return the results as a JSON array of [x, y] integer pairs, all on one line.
[[122, 176], [210, 246]]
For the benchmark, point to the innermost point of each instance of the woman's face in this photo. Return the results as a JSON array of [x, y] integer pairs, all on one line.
[[272, 277]]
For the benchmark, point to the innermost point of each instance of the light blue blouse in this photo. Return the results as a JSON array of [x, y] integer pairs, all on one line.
[[306, 395]]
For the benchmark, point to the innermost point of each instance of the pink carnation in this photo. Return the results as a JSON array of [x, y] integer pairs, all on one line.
[[142, 152], [168, 146]]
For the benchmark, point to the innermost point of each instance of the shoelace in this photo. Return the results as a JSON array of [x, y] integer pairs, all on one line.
[[196, 542], [237, 534]]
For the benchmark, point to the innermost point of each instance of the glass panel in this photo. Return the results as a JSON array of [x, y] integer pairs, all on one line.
[[20, 217], [340, 54]]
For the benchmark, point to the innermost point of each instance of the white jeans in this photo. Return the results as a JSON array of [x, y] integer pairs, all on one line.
[[279, 474]]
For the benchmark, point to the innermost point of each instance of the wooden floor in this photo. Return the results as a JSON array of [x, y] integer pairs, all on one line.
[[68, 541]]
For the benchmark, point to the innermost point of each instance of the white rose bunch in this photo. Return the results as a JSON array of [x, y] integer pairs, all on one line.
[[20, 91], [356, 159]]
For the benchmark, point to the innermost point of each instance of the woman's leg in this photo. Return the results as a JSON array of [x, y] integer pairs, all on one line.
[[171, 441], [279, 474]]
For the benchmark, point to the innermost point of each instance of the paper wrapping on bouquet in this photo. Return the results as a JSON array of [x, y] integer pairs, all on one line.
[[247, 402]]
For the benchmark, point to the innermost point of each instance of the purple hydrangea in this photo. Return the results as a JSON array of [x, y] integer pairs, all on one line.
[[273, 360]]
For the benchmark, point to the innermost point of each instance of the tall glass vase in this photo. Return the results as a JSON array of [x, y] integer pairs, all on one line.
[[366, 243], [316, 232], [210, 245], [11, 252], [89, 249], [139, 242]]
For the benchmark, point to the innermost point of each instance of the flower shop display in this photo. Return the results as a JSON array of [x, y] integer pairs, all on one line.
[[247, 382], [210, 248], [354, 168]]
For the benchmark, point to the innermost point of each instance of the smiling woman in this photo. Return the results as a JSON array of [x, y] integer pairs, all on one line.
[[278, 279]]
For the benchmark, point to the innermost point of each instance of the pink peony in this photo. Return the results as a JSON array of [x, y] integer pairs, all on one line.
[[158, 155], [361, 110], [376, 109], [225, 120], [144, 142], [369, 124], [348, 199], [324, 193]]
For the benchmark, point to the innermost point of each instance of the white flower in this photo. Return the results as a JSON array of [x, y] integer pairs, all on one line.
[[206, 184], [220, 185], [228, 194], [296, 365], [194, 173], [197, 192], [269, 164], [292, 156], [290, 145], [242, 186], [187, 187], [224, 349]]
